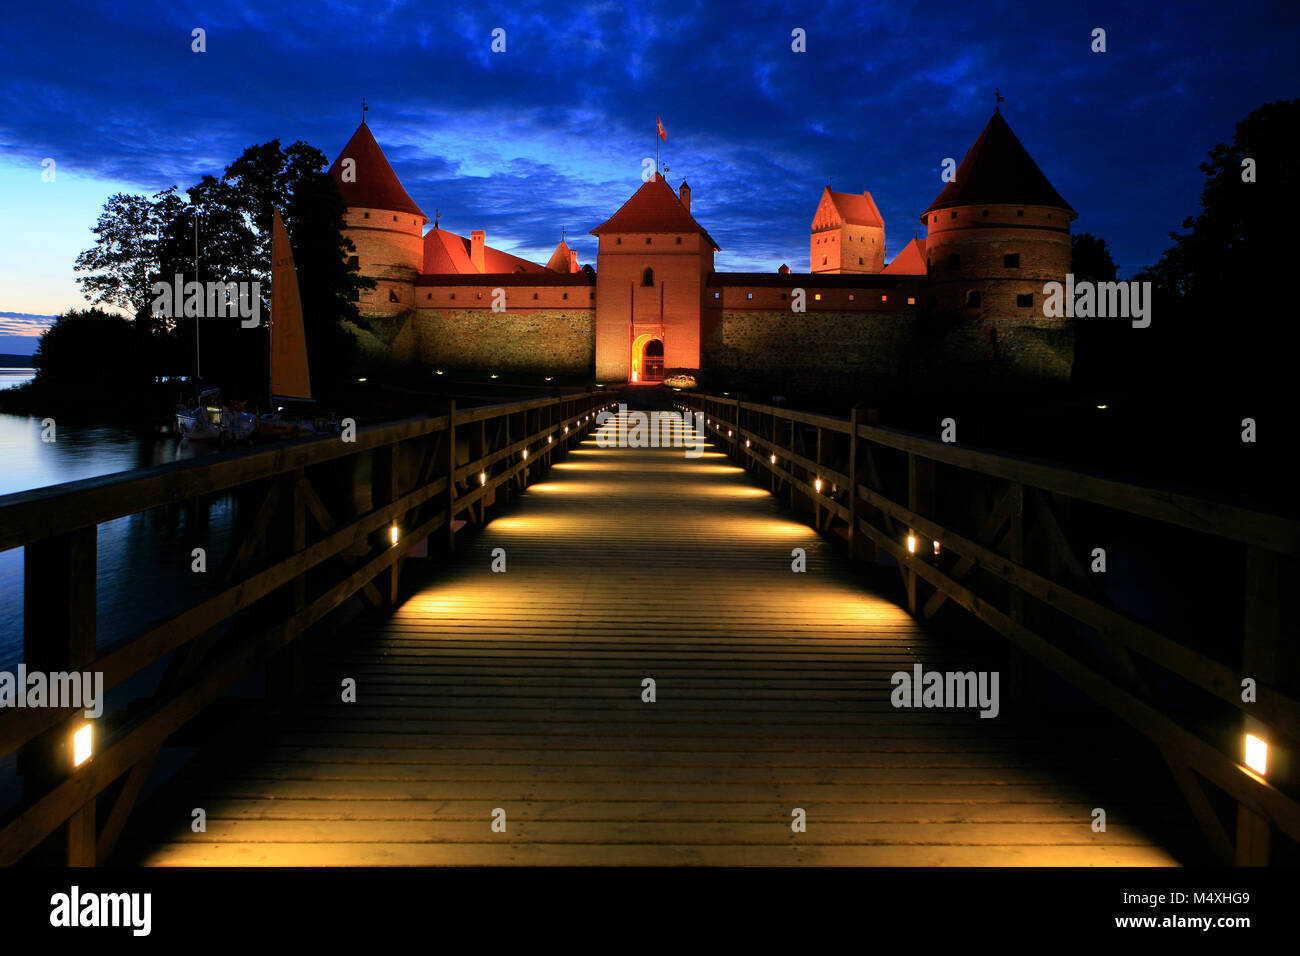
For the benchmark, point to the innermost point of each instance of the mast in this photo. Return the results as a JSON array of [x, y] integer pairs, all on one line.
[[198, 370]]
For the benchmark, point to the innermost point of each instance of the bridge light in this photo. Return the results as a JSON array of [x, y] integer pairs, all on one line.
[[936, 549], [728, 432], [911, 544], [818, 484], [361, 380], [549, 439], [393, 534], [82, 745], [746, 442], [525, 453], [566, 429], [482, 477], [773, 459], [1256, 754]]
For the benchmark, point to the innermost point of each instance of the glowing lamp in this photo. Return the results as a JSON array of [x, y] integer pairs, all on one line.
[[566, 429], [392, 534], [746, 442], [482, 477], [911, 544], [773, 459], [438, 372], [549, 439], [728, 432], [82, 745], [361, 380], [525, 452], [936, 549], [818, 484], [1256, 754]]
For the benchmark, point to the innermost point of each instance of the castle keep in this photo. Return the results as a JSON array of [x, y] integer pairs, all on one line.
[[963, 304]]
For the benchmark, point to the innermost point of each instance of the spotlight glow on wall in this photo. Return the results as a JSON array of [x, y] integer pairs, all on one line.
[[1256, 754], [82, 745]]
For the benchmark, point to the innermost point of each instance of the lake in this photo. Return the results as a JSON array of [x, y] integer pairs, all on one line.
[[144, 560]]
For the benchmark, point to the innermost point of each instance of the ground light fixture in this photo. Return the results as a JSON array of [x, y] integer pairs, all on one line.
[[83, 741], [1256, 754]]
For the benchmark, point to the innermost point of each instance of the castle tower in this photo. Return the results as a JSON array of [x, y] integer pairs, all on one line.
[[652, 264], [848, 234], [383, 222], [997, 232]]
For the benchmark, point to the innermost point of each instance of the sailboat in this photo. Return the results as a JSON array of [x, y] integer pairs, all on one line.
[[290, 379]]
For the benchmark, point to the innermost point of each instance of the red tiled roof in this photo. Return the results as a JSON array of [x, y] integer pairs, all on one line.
[[560, 258], [653, 208], [909, 262], [998, 170], [851, 208], [376, 185], [446, 253]]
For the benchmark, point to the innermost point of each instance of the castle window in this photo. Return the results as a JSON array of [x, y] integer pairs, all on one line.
[[392, 296], [394, 219], [619, 240], [884, 298], [453, 295], [823, 260], [993, 336], [1011, 260], [648, 277], [817, 296], [851, 297], [1020, 212], [973, 299], [366, 215], [593, 297], [783, 296], [679, 240], [954, 261], [1025, 301], [749, 295], [859, 260], [534, 295], [566, 295], [986, 212], [428, 296], [478, 295], [911, 301], [717, 295], [647, 240], [954, 214]]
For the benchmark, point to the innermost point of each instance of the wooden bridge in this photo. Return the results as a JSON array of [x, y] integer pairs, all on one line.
[[657, 655]]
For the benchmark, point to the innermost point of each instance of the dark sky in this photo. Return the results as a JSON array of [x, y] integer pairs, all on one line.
[[551, 134]]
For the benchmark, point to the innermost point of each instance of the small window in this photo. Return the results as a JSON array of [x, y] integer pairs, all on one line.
[[453, 295], [394, 219], [884, 298], [954, 261], [851, 296], [1025, 301], [648, 277], [679, 240], [993, 336], [823, 260], [593, 297], [973, 299], [618, 241], [478, 295], [1020, 213], [717, 295], [392, 296], [783, 296], [749, 295], [1011, 260], [911, 301], [986, 212], [366, 215], [566, 295], [859, 260], [817, 296], [954, 214], [428, 296], [534, 295], [647, 240]]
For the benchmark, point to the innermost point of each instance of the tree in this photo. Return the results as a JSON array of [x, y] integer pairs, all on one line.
[[124, 261], [91, 347], [1090, 259]]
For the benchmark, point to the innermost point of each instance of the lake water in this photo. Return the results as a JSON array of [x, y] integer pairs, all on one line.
[[144, 560], [13, 377]]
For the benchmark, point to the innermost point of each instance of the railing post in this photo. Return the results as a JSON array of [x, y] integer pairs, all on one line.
[[920, 501], [59, 592], [855, 470], [1269, 656], [450, 464]]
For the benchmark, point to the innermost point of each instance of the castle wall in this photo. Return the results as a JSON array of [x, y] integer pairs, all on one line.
[[550, 341]]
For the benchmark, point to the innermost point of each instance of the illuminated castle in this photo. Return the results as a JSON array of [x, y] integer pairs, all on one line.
[[654, 302]]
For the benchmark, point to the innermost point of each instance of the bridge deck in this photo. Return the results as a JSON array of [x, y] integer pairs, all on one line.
[[522, 691]]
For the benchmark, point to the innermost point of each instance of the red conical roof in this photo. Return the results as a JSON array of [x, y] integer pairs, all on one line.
[[376, 185], [653, 208], [998, 170]]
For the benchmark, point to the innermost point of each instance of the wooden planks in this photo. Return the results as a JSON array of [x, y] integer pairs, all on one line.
[[522, 691]]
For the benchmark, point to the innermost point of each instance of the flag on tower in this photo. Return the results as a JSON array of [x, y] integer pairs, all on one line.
[[663, 133]]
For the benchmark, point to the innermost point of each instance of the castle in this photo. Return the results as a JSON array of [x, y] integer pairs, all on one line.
[[962, 303]]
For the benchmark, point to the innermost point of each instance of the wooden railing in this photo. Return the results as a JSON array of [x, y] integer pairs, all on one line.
[[1005, 555], [280, 577]]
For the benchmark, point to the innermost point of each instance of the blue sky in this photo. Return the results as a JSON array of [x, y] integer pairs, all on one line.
[[550, 134]]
